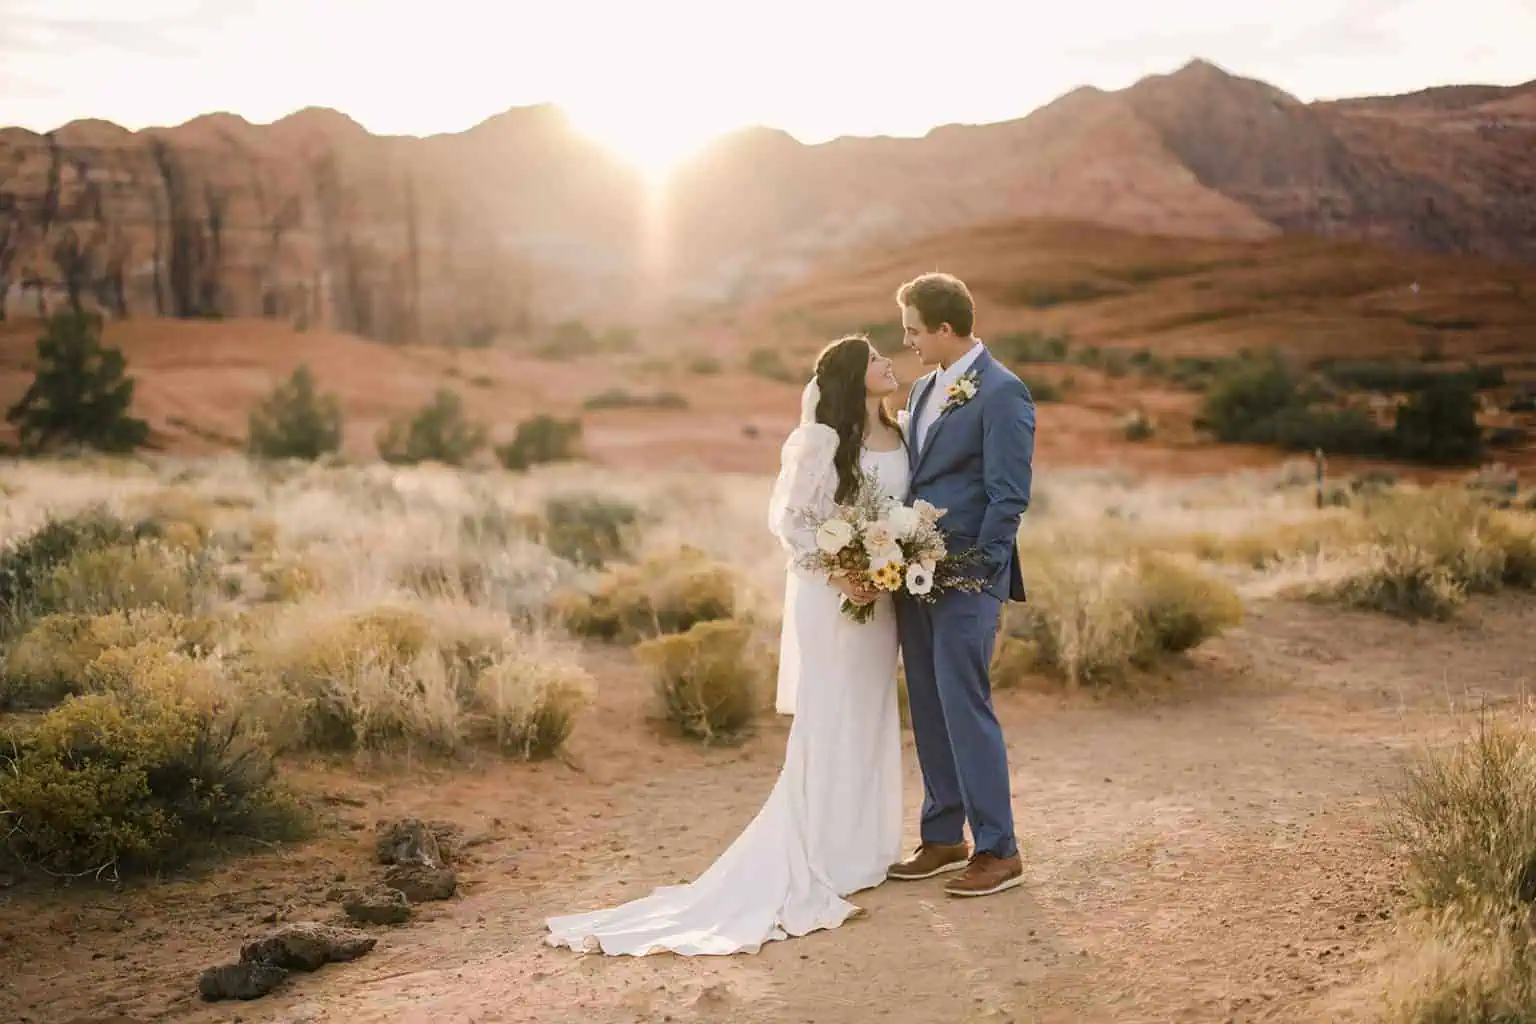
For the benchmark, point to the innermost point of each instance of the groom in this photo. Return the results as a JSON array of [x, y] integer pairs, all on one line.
[[971, 436]]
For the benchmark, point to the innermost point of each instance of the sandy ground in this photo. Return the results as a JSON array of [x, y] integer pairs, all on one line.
[[1205, 849]]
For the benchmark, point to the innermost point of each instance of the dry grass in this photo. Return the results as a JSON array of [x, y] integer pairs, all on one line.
[[709, 679], [1426, 550], [1090, 619], [443, 613], [1465, 819]]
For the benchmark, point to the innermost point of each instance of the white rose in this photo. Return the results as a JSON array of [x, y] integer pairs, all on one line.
[[834, 535], [919, 579], [905, 521], [879, 535]]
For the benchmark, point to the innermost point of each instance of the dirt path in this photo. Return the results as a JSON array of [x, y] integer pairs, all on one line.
[[1204, 851]]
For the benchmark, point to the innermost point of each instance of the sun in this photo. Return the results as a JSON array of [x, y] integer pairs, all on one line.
[[653, 147]]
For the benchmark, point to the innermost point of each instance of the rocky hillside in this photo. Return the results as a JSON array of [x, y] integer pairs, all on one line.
[[519, 222]]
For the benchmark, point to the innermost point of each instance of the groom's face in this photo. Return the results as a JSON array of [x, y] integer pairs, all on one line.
[[931, 346]]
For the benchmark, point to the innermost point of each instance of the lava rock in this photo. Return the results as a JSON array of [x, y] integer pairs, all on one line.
[[307, 946], [422, 885], [408, 841], [378, 904], [248, 979]]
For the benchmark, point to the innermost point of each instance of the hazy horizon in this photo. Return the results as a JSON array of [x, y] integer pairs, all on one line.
[[659, 81]]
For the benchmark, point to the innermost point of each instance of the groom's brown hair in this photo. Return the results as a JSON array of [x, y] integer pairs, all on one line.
[[940, 299]]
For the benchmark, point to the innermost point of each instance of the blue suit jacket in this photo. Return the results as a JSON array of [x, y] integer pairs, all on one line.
[[978, 464]]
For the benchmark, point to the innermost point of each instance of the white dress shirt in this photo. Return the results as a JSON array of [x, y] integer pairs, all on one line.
[[928, 415]]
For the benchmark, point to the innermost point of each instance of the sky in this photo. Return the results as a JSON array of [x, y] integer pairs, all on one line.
[[657, 78]]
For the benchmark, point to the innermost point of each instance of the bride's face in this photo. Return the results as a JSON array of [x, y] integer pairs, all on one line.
[[880, 379]]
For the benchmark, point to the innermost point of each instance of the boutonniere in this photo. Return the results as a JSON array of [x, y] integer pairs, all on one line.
[[961, 391]]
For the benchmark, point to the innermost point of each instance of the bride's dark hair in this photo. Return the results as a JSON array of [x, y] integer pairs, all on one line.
[[841, 369]]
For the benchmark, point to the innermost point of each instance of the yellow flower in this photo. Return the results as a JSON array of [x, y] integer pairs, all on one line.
[[888, 577]]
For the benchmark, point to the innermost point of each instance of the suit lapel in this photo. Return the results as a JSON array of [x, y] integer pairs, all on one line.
[[979, 368]]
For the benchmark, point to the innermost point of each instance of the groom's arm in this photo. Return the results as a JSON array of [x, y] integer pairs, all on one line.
[[1007, 466]]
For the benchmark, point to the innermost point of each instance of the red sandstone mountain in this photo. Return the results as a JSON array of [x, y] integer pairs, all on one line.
[[520, 221]]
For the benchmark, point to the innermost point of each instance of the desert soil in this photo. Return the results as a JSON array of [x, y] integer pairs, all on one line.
[[1205, 849]]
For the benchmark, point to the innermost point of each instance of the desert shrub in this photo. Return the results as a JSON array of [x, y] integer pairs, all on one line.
[[1013, 658], [295, 422], [540, 440], [621, 399], [149, 766], [50, 661], [1426, 550], [704, 365], [81, 392], [1178, 607], [1465, 820], [1245, 401], [1137, 426], [528, 701], [1403, 582], [1032, 347], [588, 529], [174, 516], [1089, 621], [1439, 425], [392, 675], [707, 678], [1398, 377], [769, 363], [145, 574], [1266, 546], [1465, 972], [667, 593], [33, 557], [1045, 390], [439, 432]]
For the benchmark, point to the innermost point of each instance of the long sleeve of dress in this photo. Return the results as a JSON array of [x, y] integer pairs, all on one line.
[[807, 482]]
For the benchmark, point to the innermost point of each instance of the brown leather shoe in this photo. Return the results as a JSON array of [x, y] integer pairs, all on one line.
[[929, 860], [987, 875]]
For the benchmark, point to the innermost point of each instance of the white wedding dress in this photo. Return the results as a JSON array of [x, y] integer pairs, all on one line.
[[832, 825]]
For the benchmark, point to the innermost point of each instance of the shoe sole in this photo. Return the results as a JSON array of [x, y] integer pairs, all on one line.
[[958, 865], [1003, 886]]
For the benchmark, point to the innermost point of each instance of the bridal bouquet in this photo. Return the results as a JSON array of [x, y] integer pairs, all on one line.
[[895, 548]]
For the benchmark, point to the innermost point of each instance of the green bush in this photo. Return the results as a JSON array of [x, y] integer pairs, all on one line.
[[27, 562], [440, 432], [81, 393], [707, 678], [769, 363], [294, 422], [139, 773], [1439, 425], [665, 594], [588, 529], [541, 440]]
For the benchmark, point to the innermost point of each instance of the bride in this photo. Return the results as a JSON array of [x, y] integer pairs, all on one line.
[[832, 825]]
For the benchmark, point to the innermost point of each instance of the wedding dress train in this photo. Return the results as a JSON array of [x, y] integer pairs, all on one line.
[[832, 824]]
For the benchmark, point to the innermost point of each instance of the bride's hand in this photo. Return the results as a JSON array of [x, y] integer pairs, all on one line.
[[858, 593]]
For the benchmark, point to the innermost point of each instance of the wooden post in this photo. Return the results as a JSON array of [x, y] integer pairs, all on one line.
[[1322, 473]]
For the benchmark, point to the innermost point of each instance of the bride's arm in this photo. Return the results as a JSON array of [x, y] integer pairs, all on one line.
[[807, 483]]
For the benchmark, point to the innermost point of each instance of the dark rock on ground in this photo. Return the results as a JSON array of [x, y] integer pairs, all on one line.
[[409, 841], [377, 904], [307, 946], [421, 884], [249, 979]]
